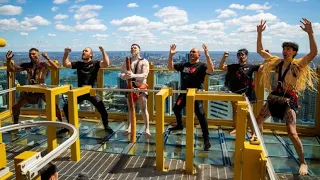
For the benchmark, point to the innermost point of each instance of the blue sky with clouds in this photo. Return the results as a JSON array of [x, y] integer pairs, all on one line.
[[228, 25]]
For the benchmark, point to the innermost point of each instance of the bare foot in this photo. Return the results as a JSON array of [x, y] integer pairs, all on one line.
[[233, 131], [303, 170], [148, 134], [126, 133]]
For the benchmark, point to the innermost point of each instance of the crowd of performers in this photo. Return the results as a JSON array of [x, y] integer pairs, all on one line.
[[292, 76]]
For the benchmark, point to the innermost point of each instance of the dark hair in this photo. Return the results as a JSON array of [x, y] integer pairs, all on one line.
[[292, 45], [47, 171], [243, 51], [136, 45], [33, 49]]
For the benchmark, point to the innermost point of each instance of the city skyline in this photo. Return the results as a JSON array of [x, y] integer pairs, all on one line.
[[154, 25]]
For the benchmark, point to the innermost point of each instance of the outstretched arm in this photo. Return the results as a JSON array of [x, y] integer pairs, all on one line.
[[313, 45], [105, 58], [260, 28], [66, 62], [52, 64], [222, 65], [171, 53], [11, 67], [210, 65]]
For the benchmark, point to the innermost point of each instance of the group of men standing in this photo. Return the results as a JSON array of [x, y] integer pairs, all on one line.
[[292, 76]]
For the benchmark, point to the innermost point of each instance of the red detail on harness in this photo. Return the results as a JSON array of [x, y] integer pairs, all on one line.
[[136, 95], [291, 93], [179, 101]]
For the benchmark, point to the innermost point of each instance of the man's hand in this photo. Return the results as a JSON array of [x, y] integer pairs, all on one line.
[[173, 49], [205, 49], [226, 54], [9, 55], [67, 50], [261, 27], [307, 26], [101, 48], [45, 55], [129, 74]]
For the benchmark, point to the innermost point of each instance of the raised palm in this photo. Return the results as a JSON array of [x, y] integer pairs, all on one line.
[[45, 55], [261, 27], [67, 50], [9, 55], [307, 25], [226, 54], [173, 49], [205, 49]]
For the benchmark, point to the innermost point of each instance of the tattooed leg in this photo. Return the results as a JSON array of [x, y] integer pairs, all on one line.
[[290, 118], [263, 115]]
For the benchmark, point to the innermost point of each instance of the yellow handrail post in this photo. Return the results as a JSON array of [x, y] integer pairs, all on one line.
[[74, 117], [150, 82], [241, 121], [160, 98], [21, 158], [206, 88], [253, 158], [317, 118], [99, 85], [51, 116], [259, 90], [190, 130]]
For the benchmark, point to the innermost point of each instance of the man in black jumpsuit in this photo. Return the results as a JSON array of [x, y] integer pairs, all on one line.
[[87, 71], [193, 74]]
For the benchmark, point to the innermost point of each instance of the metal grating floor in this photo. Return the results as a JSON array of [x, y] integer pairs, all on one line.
[[103, 166]]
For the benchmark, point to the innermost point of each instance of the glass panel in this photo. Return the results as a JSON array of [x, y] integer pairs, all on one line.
[[213, 133], [99, 132], [304, 139], [32, 140], [215, 144], [3, 86], [277, 150], [314, 166], [312, 152], [113, 147], [270, 138], [227, 134], [176, 139], [143, 149], [230, 143], [218, 109], [208, 157], [165, 78], [174, 152], [284, 165]]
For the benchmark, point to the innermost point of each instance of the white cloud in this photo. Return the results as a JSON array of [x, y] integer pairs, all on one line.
[[155, 6], [132, 5], [100, 36], [60, 1], [247, 29], [131, 21], [58, 22], [4, 1], [28, 24], [54, 8], [165, 33], [141, 37], [89, 25], [255, 19], [283, 29], [60, 16], [37, 20], [86, 11], [226, 13], [236, 6], [24, 34], [202, 27], [77, 1], [10, 10], [258, 7], [173, 15], [51, 35]]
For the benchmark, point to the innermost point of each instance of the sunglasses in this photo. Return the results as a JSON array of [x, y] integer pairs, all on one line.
[[193, 51]]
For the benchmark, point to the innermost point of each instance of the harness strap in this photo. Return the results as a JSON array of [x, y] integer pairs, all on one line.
[[282, 76]]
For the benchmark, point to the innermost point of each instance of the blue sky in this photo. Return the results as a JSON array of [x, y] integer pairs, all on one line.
[[225, 25]]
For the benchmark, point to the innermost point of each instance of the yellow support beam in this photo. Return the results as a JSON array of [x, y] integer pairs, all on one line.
[[252, 159], [241, 121], [150, 82], [7, 176], [219, 97], [190, 130], [21, 158], [160, 98], [317, 118], [259, 90], [74, 117], [51, 116], [3, 157], [206, 88]]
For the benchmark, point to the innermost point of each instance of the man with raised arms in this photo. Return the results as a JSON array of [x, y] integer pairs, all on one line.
[[193, 74], [87, 71]]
